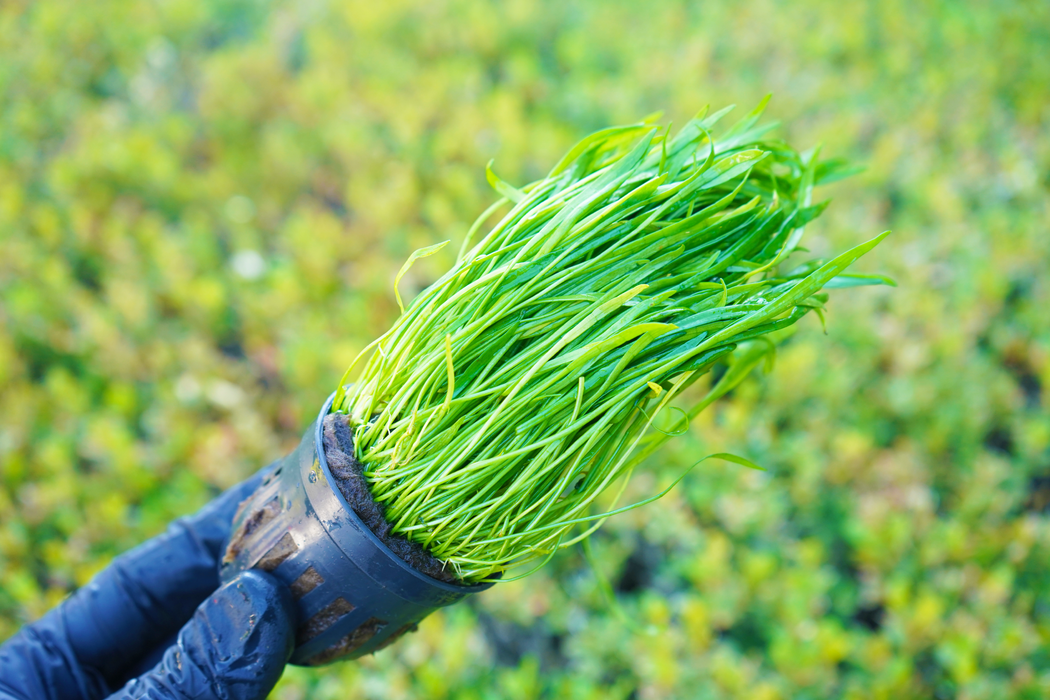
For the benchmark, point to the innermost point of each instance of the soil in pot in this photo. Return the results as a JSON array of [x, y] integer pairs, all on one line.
[[350, 480]]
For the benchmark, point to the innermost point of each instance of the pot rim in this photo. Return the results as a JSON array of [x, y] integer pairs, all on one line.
[[322, 459]]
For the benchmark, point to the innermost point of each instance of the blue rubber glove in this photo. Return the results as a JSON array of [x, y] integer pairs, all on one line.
[[120, 635]]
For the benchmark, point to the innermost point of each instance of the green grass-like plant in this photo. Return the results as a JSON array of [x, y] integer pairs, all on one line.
[[526, 380]]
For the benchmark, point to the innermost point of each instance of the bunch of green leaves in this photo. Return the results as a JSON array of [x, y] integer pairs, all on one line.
[[524, 382]]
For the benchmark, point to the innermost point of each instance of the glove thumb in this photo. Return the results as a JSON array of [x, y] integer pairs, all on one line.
[[234, 648]]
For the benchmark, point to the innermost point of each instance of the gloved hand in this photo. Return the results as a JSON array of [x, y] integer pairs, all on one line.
[[118, 634]]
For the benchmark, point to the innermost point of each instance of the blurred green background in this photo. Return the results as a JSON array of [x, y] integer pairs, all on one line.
[[203, 206]]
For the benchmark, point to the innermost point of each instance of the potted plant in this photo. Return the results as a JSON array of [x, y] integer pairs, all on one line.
[[526, 381]]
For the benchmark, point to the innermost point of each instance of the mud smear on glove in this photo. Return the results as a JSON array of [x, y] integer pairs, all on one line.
[[349, 478]]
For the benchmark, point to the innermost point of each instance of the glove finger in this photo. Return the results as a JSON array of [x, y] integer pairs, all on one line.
[[37, 663], [234, 647], [148, 593]]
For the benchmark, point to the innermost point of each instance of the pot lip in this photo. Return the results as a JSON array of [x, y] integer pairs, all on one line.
[[318, 431]]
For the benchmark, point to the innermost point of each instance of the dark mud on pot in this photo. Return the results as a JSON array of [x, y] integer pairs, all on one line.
[[313, 524]]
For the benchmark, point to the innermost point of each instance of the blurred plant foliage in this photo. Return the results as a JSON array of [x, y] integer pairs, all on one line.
[[203, 206]]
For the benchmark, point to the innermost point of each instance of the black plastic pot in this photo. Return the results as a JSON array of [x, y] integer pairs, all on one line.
[[354, 596]]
